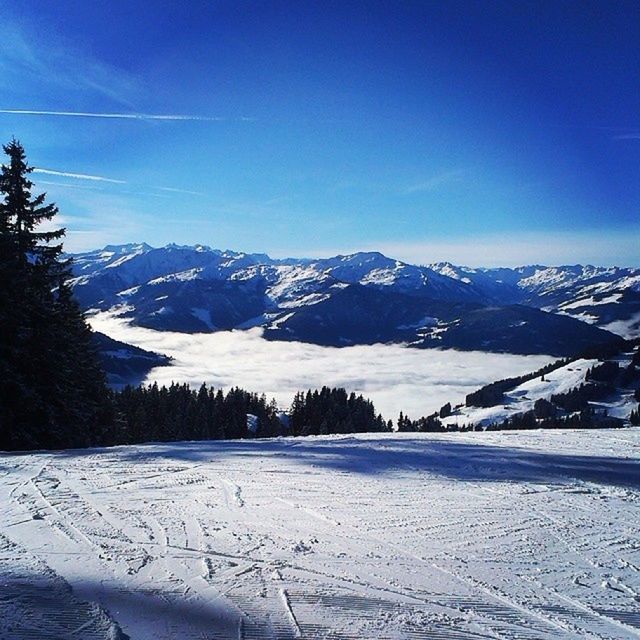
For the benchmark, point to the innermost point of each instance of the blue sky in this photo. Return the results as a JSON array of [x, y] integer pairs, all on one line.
[[479, 132]]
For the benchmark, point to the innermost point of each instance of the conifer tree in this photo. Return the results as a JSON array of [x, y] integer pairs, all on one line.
[[52, 390]]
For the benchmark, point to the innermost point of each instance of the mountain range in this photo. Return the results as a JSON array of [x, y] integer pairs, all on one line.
[[362, 298]]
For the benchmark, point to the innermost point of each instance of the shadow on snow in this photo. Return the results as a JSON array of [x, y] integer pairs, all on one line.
[[379, 455]]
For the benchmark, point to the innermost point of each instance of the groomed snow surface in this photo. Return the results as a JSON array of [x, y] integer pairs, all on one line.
[[528, 535]]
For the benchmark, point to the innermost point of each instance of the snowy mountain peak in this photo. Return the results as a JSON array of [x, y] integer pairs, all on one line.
[[360, 297], [131, 247]]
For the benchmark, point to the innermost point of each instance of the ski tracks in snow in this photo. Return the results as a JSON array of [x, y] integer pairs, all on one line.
[[360, 537]]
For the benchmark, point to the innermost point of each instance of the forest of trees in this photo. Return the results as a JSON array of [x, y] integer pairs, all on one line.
[[53, 393], [333, 411]]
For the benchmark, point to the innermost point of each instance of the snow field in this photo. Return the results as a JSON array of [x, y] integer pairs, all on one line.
[[529, 535]]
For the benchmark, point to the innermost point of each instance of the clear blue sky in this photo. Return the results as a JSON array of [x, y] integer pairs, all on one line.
[[480, 132]]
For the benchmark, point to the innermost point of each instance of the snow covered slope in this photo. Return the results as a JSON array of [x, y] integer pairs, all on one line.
[[529, 535], [361, 298], [618, 403]]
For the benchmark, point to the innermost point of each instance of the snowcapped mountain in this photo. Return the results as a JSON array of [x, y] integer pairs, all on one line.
[[608, 297], [361, 298]]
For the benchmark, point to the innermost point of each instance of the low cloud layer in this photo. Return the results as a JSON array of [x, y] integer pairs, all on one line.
[[396, 378]]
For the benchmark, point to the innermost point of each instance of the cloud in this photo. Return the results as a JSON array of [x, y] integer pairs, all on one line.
[[396, 378], [117, 116], [29, 60], [436, 181], [605, 247], [94, 178], [77, 176], [187, 191]]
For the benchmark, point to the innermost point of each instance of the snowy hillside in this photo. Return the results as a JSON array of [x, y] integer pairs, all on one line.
[[530, 535], [363, 298], [617, 403]]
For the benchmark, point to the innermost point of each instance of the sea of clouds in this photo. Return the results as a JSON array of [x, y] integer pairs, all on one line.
[[396, 378]]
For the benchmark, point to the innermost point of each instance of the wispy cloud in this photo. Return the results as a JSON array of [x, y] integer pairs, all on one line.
[[116, 116], [187, 191], [168, 191], [436, 181], [29, 60], [628, 136], [77, 176]]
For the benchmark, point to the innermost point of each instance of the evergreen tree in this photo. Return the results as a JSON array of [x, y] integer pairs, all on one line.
[[52, 391]]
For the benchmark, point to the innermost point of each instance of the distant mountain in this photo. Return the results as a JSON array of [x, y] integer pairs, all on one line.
[[124, 363], [608, 297], [362, 298]]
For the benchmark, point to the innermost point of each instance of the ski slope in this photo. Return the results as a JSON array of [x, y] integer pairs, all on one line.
[[529, 535]]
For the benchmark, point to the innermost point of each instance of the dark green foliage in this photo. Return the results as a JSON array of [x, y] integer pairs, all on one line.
[[52, 391], [585, 419], [632, 371], [606, 372], [605, 351], [430, 423], [544, 409], [578, 398], [166, 414], [333, 411]]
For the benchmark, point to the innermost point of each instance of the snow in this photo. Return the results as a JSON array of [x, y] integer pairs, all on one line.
[[292, 282], [427, 321], [180, 276], [530, 535], [130, 292], [311, 299], [382, 277], [591, 302], [522, 398], [416, 381]]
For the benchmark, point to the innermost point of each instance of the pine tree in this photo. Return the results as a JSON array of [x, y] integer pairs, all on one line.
[[52, 391]]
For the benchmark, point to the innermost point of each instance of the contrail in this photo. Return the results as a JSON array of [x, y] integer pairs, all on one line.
[[117, 116], [78, 176]]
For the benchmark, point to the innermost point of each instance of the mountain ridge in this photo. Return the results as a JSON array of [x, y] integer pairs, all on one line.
[[199, 289]]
